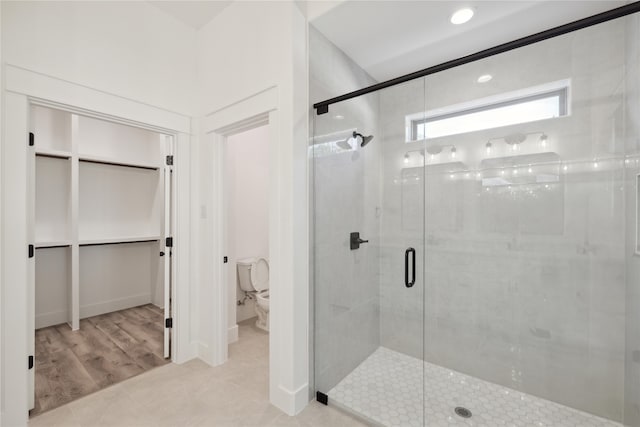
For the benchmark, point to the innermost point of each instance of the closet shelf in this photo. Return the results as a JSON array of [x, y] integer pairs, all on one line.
[[45, 152], [116, 240], [116, 162], [53, 244]]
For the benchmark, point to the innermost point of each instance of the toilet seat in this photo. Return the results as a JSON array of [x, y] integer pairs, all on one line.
[[260, 275]]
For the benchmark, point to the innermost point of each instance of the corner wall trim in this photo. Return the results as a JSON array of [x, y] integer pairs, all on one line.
[[232, 334], [291, 401]]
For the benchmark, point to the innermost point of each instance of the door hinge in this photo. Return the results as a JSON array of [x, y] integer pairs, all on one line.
[[168, 323], [31, 251], [169, 242], [30, 362], [169, 160], [225, 260], [32, 139]]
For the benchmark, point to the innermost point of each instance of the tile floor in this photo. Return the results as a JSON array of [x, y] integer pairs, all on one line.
[[194, 394], [387, 389]]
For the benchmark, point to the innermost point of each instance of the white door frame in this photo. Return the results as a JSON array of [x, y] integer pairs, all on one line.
[[23, 87], [259, 109], [217, 127]]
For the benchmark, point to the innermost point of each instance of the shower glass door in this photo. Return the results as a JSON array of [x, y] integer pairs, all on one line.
[[525, 234], [369, 286]]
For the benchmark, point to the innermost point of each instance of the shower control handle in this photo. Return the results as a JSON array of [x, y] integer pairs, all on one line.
[[355, 241], [409, 283]]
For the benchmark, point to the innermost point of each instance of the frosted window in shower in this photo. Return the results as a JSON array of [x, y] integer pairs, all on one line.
[[505, 110]]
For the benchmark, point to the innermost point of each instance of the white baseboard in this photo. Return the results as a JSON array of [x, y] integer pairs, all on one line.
[[57, 317], [208, 356], [290, 402], [113, 305], [232, 334], [49, 319], [204, 354], [186, 353]]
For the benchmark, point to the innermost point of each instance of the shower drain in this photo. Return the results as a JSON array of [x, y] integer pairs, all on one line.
[[463, 412]]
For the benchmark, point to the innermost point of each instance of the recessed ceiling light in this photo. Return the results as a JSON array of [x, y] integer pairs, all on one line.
[[461, 16], [484, 78], [338, 117]]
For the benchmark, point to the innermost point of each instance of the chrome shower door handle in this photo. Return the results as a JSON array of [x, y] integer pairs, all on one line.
[[409, 283]]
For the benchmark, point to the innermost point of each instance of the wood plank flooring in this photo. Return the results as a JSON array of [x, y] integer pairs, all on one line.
[[107, 349]]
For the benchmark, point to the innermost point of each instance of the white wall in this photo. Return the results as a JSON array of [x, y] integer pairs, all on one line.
[[131, 49], [250, 39], [315, 9], [262, 46], [247, 178]]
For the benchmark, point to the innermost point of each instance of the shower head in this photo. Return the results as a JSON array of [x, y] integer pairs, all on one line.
[[344, 144], [365, 139]]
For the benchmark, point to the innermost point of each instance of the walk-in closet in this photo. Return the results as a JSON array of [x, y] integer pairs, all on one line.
[[101, 223]]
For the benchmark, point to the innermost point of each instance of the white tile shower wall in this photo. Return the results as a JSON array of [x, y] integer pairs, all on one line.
[[632, 150], [345, 191], [525, 286], [402, 222]]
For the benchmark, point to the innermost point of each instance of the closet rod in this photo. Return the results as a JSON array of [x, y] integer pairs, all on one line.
[[53, 156], [124, 165], [119, 243]]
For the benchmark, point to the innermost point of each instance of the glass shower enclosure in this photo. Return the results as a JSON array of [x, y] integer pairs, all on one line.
[[477, 261]]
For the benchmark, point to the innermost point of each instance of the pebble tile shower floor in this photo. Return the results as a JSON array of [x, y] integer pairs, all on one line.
[[387, 389]]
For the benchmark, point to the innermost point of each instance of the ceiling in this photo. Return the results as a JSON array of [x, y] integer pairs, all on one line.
[[392, 38], [193, 13]]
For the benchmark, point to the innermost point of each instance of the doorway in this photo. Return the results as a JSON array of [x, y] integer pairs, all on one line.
[[100, 288], [247, 223]]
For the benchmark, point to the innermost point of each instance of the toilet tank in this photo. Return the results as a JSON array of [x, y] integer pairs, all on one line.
[[244, 273]]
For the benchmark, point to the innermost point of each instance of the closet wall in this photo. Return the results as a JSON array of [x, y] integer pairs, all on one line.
[[98, 216]]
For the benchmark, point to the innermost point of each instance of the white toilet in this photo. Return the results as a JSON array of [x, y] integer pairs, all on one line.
[[253, 275]]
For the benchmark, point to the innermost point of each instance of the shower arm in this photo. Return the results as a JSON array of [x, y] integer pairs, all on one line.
[[355, 241]]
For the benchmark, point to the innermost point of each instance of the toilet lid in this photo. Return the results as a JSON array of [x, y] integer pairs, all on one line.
[[260, 274]]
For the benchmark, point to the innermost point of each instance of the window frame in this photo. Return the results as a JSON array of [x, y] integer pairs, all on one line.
[[561, 89]]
